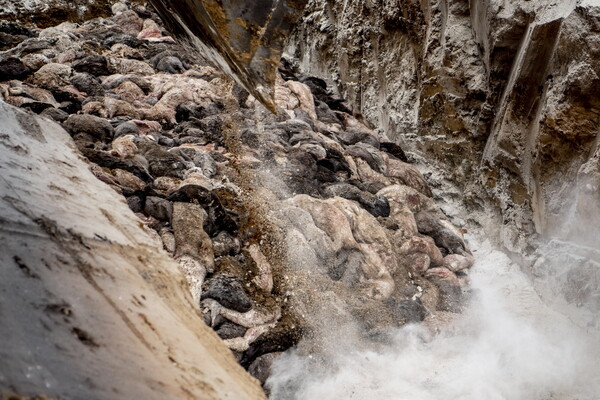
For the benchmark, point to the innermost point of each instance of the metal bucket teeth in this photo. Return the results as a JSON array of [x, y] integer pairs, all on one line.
[[244, 38]]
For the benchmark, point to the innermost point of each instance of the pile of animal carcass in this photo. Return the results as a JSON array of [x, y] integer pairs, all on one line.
[[273, 218]]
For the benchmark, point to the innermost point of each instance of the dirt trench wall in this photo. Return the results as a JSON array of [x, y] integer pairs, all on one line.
[[500, 94]]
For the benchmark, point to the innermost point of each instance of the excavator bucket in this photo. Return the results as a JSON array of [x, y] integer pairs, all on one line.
[[245, 38]]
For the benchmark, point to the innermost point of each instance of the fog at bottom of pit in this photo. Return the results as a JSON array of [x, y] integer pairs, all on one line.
[[508, 344]]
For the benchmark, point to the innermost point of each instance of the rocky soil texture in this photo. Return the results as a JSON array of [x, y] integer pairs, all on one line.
[[272, 218]]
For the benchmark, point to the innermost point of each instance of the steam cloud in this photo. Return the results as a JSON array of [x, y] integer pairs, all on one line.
[[507, 345]]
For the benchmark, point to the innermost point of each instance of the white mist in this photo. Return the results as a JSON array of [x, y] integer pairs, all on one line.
[[506, 346]]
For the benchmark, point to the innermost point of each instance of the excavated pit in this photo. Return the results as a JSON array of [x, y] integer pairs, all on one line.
[[329, 241]]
